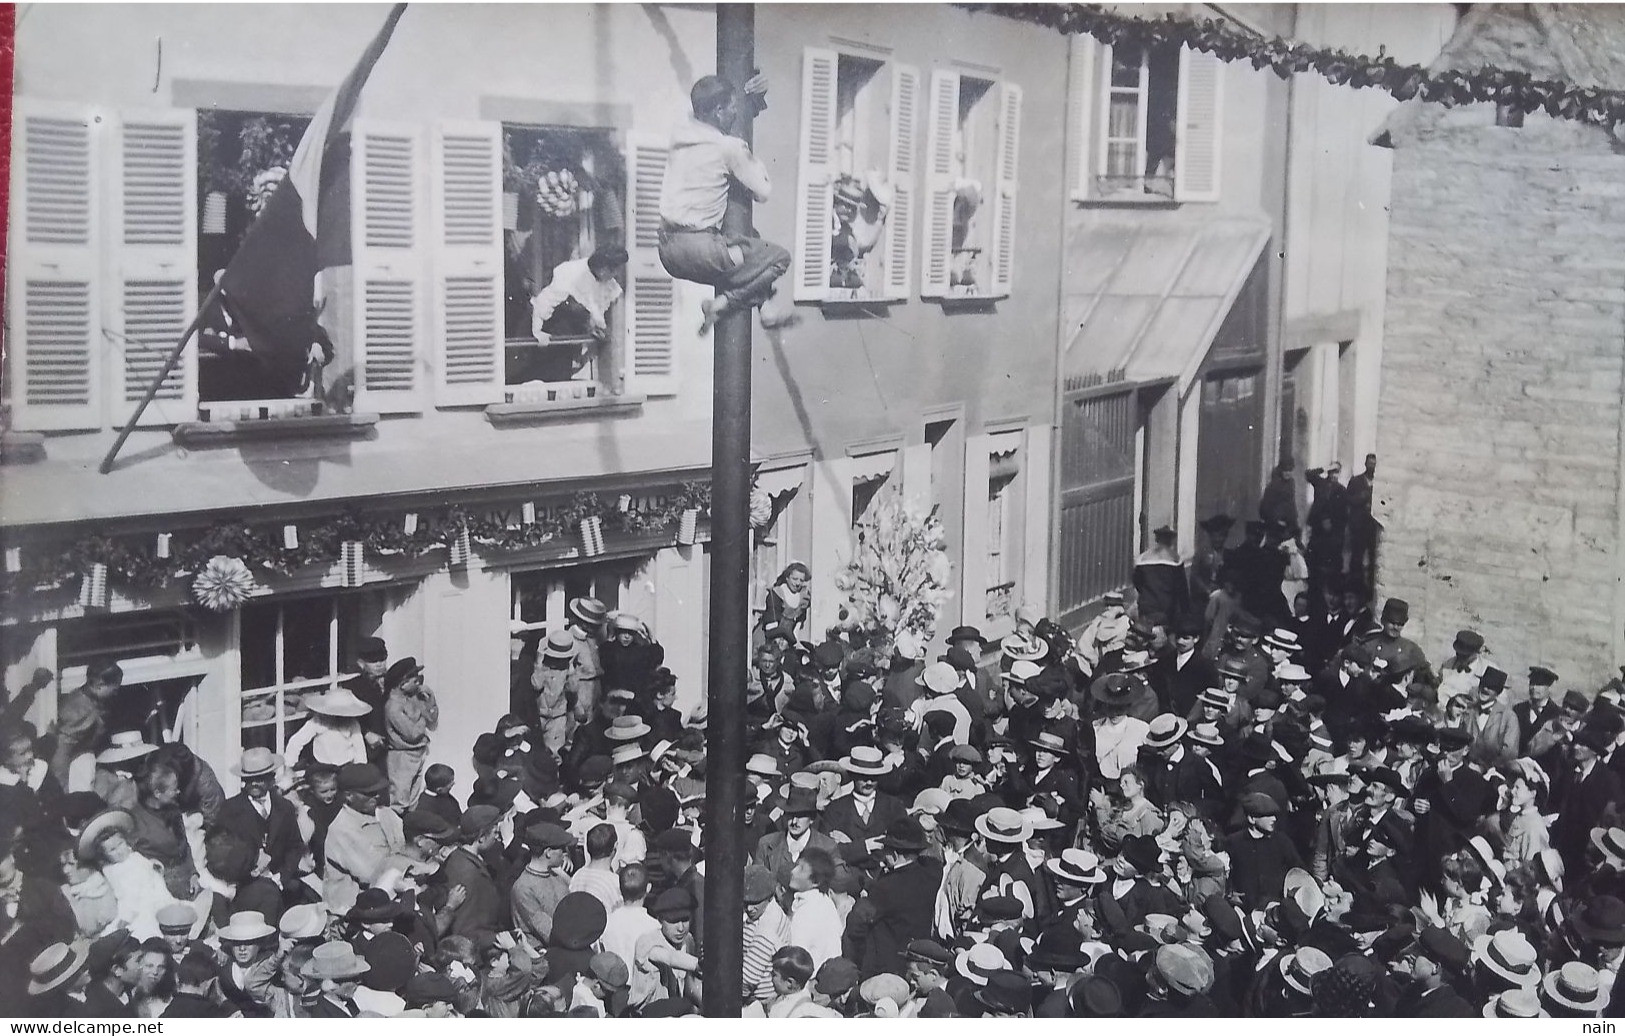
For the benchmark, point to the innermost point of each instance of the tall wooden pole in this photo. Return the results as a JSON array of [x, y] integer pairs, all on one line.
[[725, 851]]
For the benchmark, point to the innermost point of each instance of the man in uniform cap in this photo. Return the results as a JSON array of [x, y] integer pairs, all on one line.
[[901, 902], [1493, 723], [668, 957], [544, 882], [371, 664], [482, 911], [1260, 854], [766, 930], [1460, 675], [361, 839]]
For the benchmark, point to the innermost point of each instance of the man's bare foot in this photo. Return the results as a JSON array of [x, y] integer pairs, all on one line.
[[712, 308]]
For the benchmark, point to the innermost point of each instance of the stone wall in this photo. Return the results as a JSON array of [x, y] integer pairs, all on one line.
[[1499, 428]]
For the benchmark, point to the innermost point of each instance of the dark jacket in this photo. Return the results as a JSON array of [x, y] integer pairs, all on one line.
[[277, 834], [902, 904], [841, 815]]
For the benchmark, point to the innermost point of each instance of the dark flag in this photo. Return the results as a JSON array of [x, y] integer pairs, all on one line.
[[270, 285]]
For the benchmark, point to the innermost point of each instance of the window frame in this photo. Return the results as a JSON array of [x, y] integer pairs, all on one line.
[[998, 206], [284, 722]]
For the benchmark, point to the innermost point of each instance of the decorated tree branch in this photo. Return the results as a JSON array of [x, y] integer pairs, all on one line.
[[1516, 90], [898, 578]]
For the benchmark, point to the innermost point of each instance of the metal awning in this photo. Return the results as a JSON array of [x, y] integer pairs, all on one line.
[[1150, 294], [873, 466]]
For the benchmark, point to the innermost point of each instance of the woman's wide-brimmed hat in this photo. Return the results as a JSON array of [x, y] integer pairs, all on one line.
[[1040, 820], [246, 926], [866, 761], [340, 701], [334, 960], [1113, 689], [56, 966], [99, 827], [1005, 825], [1019, 648]]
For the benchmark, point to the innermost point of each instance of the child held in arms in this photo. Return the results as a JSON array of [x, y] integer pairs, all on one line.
[[707, 159]]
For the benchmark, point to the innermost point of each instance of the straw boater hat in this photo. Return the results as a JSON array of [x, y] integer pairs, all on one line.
[[939, 678], [1018, 648], [1002, 824], [626, 753], [1515, 1003], [866, 761], [340, 701], [1054, 744], [589, 611], [56, 966], [627, 728], [257, 762], [1575, 986], [246, 926], [1508, 955], [1216, 696], [303, 921], [1284, 639], [560, 644], [1292, 672], [1076, 867], [125, 746], [1206, 734], [1610, 841], [334, 960], [99, 827], [1165, 730], [1300, 968], [1023, 671], [978, 963], [1134, 661]]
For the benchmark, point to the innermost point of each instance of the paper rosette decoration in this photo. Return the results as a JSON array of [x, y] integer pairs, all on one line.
[[93, 591], [688, 526], [224, 584], [761, 508]]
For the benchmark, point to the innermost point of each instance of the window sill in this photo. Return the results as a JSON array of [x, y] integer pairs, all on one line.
[[322, 426], [535, 411], [966, 303], [22, 448], [1125, 200]]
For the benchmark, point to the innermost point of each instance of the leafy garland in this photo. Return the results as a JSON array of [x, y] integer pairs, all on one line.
[[134, 562], [1516, 90]]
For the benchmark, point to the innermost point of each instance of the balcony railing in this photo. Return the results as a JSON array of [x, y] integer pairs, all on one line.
[[1000, 601]]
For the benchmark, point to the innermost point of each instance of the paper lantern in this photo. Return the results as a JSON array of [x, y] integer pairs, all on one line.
[[214, 213], [161, 550], [510, 210], [410, 524], [290, 537], [592, 536], [527, 513], [462, 548], [688, 526], [14, 559], [352, 555], [624, 502], [93, 591]]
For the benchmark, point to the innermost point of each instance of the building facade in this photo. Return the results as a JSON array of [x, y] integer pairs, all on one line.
[[925, 224], [471, 449], [1502, 431]]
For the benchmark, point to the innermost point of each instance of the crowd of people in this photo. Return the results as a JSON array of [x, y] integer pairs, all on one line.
[[1185, 810]]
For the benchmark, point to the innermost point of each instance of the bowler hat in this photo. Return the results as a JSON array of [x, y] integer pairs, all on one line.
[[1602, 921], [967, 633], [1396, 610], [1469, 640], [1142, 852], [372, 649], [1006, 993], [1094, 996], [904, 835], [958, 817], [402, 671], [374, 905]]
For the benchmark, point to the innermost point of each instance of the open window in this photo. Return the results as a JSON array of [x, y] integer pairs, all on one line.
[[563, 199], [242, 157], [855, 209], [291, 649], [1149, 123], [972, 181]]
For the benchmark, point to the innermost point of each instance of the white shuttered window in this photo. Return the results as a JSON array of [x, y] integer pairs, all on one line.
[[1149, 123], [152, 297], [900, 229], [937, 239], [813, 215], [467, 165], [53, 283], [1201, 97], [971, 180], [1004, 200], [387, 227], [651, 301]]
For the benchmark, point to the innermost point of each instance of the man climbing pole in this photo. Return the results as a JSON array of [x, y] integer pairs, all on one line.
[[707, 159]]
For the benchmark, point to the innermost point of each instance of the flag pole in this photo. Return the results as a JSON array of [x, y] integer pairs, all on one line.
[[723, 953], [158, 382]]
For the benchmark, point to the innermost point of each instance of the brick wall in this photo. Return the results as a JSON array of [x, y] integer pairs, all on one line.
[[1499, 424]]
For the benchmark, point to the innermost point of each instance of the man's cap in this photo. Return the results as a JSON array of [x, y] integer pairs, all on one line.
[[837, 977], [1469, 640], [609, 969], [759, 884], [372, 649], [674, 904], [423, 823], [928, 951], [1540, 676], [547, 836]]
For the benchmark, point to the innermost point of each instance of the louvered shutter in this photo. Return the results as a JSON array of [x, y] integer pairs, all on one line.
[[1080, 156], [1007, 162], [53, 284], [468, 288], [1196, 155], [152, 175], [900, 229], [939, 185], [387, 236], [651, 294], [813, 203]]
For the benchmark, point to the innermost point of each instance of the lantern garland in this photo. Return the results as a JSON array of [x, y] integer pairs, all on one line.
[[1516, 90], [145, 562]]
